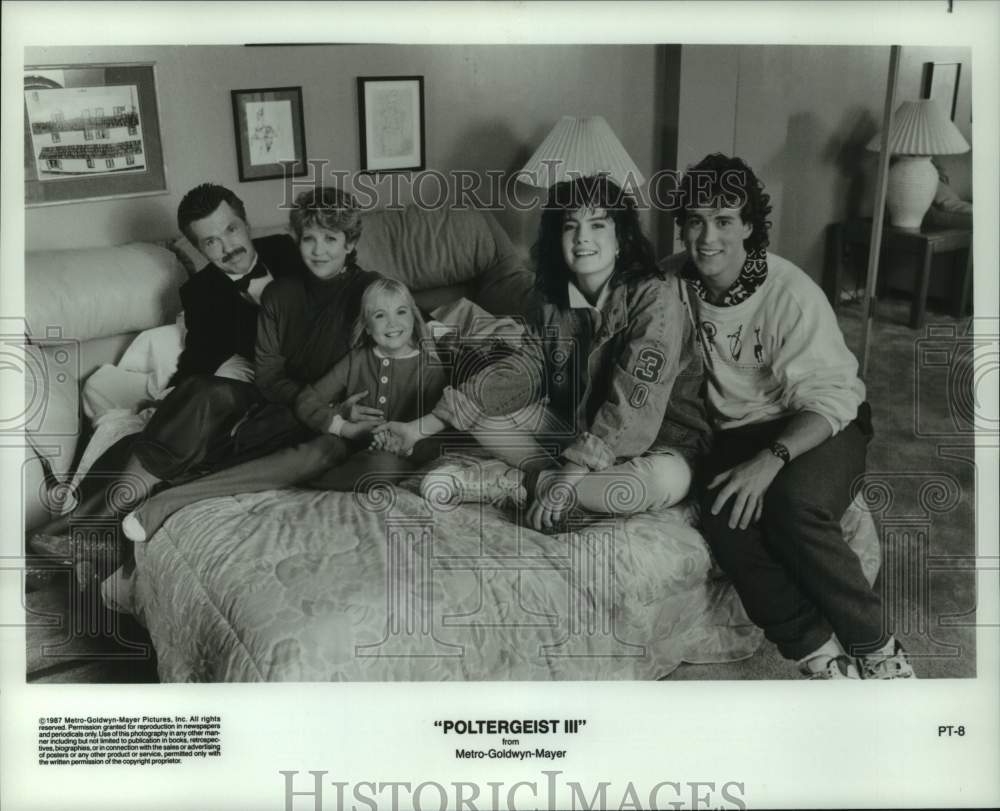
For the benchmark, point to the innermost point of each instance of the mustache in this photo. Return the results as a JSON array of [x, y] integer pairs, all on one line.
[[233, 254]]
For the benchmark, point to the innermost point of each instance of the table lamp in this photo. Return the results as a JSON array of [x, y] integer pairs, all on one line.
[[919, 129], [580, 147]]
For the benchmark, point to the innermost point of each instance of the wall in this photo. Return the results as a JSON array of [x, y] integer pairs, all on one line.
[[801, 117], [487, 107]]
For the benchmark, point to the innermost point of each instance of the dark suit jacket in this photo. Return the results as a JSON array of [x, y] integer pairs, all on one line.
[[220, 322]]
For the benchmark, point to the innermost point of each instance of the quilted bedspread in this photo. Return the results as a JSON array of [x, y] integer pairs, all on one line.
[[298, 585]]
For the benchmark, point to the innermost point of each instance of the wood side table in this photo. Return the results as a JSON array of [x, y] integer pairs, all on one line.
[[923, 245]]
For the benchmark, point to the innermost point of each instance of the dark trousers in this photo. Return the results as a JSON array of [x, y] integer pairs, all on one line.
[[323, 462], [191, 430], [798, 579]]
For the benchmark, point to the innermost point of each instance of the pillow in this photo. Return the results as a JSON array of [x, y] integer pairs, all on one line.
[[155, 352], [113, 389], [428, 248], [89, 293]]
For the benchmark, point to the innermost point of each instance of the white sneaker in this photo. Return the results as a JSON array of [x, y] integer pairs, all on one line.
[[893, 665], [835, 667], [478, 481]]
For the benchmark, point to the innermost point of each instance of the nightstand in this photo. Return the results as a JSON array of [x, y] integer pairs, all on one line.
[[921, 245]]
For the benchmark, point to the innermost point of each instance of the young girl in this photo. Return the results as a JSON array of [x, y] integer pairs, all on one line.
[[391, 372], [611, 372], [393, 369]]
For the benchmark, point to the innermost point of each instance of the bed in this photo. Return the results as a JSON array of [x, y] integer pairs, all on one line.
[[296, 585]]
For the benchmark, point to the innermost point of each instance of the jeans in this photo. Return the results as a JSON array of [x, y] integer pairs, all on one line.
[[798, 579]]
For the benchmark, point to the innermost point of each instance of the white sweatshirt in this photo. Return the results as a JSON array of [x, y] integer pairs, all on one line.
[[777, 353]]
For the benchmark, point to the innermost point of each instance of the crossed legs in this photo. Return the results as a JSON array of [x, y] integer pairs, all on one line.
[[532, 439]]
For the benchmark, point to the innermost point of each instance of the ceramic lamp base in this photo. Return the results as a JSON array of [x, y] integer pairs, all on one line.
[[913, 182]]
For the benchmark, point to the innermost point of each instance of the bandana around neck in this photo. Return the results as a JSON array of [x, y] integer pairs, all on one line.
[[752, 275]]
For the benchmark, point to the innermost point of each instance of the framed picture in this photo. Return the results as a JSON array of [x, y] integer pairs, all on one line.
[[391, 122], [270, 133], [941, 84], [91, 132]]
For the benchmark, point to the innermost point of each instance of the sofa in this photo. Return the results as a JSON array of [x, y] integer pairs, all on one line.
[[299, 585]]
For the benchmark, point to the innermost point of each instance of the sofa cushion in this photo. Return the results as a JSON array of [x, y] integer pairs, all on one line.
[[427, 248], [94, 292], [445, 247]]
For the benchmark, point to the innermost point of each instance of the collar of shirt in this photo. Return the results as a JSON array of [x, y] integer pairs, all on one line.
[[578, 300], [752, 275], [256, 287], [237, 276], [380, 354]]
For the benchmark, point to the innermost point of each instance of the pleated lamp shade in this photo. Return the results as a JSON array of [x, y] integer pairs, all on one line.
[[922, 128], [919, 129], [580, 147]]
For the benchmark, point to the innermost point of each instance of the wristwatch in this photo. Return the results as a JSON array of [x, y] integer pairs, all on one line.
[[779, 450]]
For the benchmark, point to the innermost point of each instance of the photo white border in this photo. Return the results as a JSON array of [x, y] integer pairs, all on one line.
[[794, 744]]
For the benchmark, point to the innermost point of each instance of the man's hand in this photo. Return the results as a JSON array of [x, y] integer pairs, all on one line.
[[352, 412], [397, 437], [746, 483], [554, 496]]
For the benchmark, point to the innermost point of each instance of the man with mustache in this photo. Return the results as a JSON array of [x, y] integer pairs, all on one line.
[[214, 374], [192, 427], [220, 302]]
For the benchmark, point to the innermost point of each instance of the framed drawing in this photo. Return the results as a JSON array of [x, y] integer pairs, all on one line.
[[270, 133], [391, 123], [91, 132], [940, 82]]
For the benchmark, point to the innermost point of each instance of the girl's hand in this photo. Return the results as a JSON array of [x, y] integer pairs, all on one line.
[[554, 496], [352, 412], [397, 437], [384, 441]]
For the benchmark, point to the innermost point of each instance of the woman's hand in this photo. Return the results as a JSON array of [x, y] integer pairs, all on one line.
[[352, 412], [554, 496], [396, 437], [746, 483]]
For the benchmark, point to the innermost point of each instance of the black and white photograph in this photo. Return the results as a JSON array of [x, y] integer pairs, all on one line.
[[569, 410]]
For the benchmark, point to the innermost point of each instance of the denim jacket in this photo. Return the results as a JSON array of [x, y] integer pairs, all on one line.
[[626, 374]]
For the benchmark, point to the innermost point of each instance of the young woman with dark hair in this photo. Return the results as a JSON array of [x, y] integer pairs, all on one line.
[[601, 398]]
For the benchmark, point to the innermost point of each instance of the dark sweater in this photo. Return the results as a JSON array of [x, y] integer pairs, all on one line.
[[304, 328]]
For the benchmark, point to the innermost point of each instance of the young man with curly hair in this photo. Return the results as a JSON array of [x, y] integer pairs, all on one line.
[[792, 430]]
